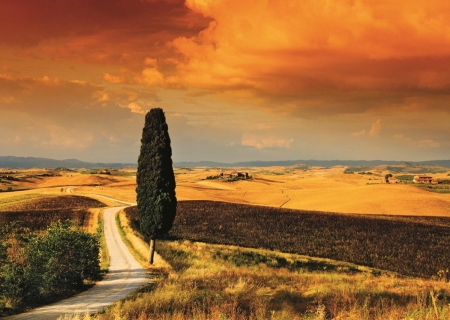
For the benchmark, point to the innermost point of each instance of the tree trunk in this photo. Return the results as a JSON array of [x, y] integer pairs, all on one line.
[[152, 250]]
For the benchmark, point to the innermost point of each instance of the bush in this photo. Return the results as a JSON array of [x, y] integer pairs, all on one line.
[[405, 177], [36, 268], [64, 258]]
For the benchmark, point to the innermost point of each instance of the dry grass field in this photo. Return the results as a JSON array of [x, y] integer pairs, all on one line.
[[210, 281], [320, 189], [315, 189], [215, 282]]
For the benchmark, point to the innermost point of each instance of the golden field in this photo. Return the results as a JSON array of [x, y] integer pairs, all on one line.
[[320, 189], [207, 281]]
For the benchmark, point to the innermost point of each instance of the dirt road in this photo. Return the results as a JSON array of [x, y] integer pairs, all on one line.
[[125, 276]]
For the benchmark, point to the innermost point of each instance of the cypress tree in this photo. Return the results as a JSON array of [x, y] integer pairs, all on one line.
[[156, 200]]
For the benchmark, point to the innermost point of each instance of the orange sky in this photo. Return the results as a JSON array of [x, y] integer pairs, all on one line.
[[238, 80]]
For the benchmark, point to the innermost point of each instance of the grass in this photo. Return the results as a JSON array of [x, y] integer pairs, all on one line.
[[112, 173], [267, 172], [215, 282], [128, 236], [104, 254], [210, 281], [4, 202], [415, 246], [443, 189], [38, 213]]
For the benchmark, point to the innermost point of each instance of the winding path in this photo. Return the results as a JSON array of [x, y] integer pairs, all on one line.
[[125, 275]]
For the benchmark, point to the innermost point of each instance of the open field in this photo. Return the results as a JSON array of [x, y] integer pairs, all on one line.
[[212, 282], [227, 282], [213, 286], [38, 212], [312, 188], [414, 246], [317, 189]]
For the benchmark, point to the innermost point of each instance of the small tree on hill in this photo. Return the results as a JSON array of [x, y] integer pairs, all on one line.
[[387, 176], [156, 200]]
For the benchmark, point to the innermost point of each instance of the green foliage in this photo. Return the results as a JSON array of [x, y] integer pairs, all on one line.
[[248, 258], [156, 201], [405, 177], [355, 169], [93, 171], [396, 169], [445, 189], [35, 268], [64, 258]]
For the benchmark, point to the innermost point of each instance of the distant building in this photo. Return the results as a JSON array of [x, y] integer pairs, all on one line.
[[423, 179], [391, 180], [234, 175]]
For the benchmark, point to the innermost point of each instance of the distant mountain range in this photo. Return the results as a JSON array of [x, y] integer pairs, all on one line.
[[31, 162], [320, 163]]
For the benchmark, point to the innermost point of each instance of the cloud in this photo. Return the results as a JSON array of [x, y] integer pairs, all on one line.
[[262, 142], [373, 132], [136, 108], [70, 118], [101, 32], [151, 77], [359, 133], [344, 56], [116, 79], [375, 129], [420, 143], [62, 138]]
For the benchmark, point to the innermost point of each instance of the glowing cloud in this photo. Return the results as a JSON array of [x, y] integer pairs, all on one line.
[[421, 143], [262, 142], [341, 53], [375, 129], [373, 132]]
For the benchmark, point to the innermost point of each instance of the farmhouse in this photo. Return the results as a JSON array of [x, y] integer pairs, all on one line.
[[391, 180], [423, 179], [234, 175]]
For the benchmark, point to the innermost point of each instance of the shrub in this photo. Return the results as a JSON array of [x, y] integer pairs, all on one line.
[[39, 267], [405, 177], [64, 258]]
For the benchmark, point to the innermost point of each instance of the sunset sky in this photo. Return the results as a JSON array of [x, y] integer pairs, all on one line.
[[239, 80]]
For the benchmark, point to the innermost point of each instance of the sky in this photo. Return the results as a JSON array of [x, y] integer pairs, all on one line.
[[237, 80]]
